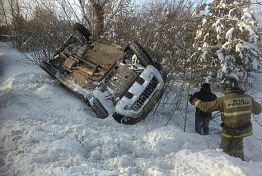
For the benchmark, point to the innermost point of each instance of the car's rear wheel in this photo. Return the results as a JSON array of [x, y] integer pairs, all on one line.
[[142, 55], [77, 27]]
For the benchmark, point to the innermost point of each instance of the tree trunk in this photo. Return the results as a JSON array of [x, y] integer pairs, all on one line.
[[99, 18]]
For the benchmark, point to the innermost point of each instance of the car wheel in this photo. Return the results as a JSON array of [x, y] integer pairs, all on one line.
[[142, 55], [125, 120], [99, 109], [77, 27]]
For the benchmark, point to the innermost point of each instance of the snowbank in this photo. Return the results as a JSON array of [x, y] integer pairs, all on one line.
[[45, 130]]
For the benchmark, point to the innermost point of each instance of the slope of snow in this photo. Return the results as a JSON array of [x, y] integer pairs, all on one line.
[[45, 130]]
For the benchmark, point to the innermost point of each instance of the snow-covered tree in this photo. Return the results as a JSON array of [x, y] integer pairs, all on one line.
[[226, 42]]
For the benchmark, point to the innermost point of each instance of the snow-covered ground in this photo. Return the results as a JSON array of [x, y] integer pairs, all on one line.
[[45, 130]]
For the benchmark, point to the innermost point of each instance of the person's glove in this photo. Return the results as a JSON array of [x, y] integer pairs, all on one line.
[[191, 98]]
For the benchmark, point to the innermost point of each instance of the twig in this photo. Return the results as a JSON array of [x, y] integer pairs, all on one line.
[[188, 89], [158, 103], [255, 92], [256, 120], [177, 100]]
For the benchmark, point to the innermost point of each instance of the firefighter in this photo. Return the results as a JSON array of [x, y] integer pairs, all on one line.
[[236, 108], [202, 118]]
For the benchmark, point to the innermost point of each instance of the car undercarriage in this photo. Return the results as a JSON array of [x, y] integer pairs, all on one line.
[[124, 83]]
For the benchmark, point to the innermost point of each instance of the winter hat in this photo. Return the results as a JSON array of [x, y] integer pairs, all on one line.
[[206, 86]]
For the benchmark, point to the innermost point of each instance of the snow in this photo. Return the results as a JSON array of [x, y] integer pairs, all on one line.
[[46, 130], [229, 34]]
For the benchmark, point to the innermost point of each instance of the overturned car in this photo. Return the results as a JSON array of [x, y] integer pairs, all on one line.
[[124, 83]]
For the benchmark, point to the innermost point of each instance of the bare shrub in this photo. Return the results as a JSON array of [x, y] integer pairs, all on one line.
[[45, 33]]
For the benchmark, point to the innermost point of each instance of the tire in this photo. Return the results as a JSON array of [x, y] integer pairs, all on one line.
[[125, 120], [142, 55], [48, 68], [77, 27], [99, 109]]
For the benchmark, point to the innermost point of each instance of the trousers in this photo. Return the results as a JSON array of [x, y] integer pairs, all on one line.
[[202, 125], [233, 146]]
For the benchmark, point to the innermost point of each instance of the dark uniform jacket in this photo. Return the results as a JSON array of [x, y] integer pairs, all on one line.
[[204, 95], [236, 108]]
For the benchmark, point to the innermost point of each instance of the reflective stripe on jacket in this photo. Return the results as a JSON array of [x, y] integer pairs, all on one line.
[[235, 109]]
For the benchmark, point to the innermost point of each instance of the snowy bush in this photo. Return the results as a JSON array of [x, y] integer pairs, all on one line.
[[227, 41]]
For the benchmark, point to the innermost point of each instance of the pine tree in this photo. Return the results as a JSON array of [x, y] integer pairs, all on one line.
[[226, 42]]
